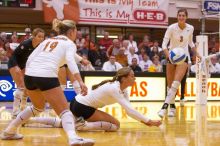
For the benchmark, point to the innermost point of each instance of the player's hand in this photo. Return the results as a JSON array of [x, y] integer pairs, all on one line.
[[153, 123], [85, 62], [84, 89]]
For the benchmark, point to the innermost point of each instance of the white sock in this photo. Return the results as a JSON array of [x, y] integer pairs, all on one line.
[[22, 118], [172, 92], [17, 100], [54, 122], [99, 125], [68, 124]]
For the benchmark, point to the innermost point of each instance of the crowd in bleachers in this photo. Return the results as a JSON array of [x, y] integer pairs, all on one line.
[[112, 54]]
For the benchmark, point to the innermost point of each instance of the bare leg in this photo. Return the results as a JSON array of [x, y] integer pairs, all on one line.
[[58, 102], [100, 121], [170, 98], [11, 131]]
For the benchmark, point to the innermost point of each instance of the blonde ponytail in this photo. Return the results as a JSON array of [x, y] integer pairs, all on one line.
[[56, 25]]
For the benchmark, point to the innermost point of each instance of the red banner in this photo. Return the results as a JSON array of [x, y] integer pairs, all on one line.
[[138, 13]]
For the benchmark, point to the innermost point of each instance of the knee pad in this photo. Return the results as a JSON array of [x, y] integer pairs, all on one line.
[[35, 111], [175, 85]]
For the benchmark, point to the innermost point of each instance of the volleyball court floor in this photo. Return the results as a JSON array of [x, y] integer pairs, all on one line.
[[192, 126]]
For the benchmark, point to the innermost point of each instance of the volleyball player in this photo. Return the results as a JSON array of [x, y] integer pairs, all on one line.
[[16, 66], [42, 84], [179, 34], [105, 93]]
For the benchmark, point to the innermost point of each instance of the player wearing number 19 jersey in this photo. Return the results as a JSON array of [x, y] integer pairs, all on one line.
[[41, 81], [50, 55]]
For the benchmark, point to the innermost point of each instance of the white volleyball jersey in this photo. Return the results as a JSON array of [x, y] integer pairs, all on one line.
[[107, 94], [179, 37], [52, 53]]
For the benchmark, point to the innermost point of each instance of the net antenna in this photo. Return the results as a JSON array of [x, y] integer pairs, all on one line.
[[210, 11]]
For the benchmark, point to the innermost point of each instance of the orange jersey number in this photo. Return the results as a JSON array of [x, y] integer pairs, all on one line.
[[51, 46]]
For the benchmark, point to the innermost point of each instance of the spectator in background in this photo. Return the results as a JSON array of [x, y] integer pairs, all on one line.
[[132, 55], [111, 65], [156, 44], [3, 41], [145, 44], [80, 43], [3, 37], [212, 50], [93, 54], [114, 48], [154, 52], [145, 63], [141, 54], [125, 45], [134, 65], [132, 43], [10, 47], [214, 65], [147, 38], [3, 56], [105, 42], [121, 57], [156, 66], [121, 39], [26, 36], [89, 44]]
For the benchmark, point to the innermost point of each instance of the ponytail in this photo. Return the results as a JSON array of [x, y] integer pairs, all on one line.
[[103, 82], [123, 72]]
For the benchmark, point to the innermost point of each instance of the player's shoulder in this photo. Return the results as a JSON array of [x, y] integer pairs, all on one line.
[[26, 42], [173, 26], [189, 26], [63, 40], [115, 86]]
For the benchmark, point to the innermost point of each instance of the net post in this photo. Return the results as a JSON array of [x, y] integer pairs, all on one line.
[[202, 71]]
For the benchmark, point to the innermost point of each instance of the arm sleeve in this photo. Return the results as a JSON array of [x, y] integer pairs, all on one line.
[[166, 38], [191, 44], [125, 103], [70, 59]]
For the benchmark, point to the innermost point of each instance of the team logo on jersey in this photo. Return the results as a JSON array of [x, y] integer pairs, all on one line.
[[4, 87], [61, 9]]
